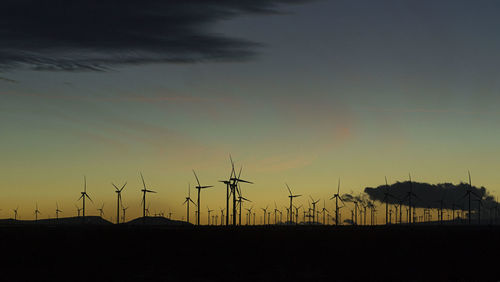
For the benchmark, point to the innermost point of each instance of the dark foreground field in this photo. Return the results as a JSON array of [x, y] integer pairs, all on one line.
[[119, 253]]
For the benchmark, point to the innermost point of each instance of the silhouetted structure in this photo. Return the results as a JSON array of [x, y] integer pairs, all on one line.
[[337, 198], [291, 196], [84, 195], [57, 211], [118, 200], [187, 201], [199, 187], [143, 202]]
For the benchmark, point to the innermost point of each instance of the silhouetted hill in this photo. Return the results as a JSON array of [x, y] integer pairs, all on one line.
[[157, 220], [93, 220]]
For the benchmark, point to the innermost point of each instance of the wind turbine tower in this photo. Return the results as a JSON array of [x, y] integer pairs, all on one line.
[[84, 195], [144, 192], [118, 201], [314, 209], [291, 196], [57, 211], [36, 212], [187, 201], [337, 198], [199, 187]]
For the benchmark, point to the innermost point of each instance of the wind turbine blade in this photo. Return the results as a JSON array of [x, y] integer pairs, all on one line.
[[115, 187], [338, 189], [123, 187], [89, 198], [196, 176], [84, 184], [143, 182], [245, 181], [289, 191], [241, 168], [192, 202], [340, 198], [231, 159]]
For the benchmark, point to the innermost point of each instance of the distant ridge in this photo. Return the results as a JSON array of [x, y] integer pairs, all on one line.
[[93, 220], [157, 220]]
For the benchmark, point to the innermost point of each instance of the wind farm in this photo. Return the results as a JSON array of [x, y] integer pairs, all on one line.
[[454, 201]]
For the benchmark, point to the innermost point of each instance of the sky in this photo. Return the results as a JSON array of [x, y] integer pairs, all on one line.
[[298, 92]]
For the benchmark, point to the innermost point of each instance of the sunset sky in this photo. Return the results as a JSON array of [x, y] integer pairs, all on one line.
[[305, 94]]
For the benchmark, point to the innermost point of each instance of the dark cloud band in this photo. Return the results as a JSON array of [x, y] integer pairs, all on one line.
[[94, 35]]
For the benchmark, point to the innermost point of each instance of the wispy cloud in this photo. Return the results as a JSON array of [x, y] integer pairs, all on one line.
[[179, 98], [423, 110], [8, 80]]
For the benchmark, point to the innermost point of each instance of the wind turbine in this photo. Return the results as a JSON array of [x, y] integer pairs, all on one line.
[[467, 194], [249, 215], [235, 188], [188, 200], [209, 211], [144, 191], [230, 190], [15, 212], [398, 208], [78, 210], [36, 212], [314, 209], [123, 210], [410, 193], [297, 214], [275, 212], [291, 196], [199, 187], [337, 198], [386, 197], [240, 203], [57, 211], [101, 210], [265, 212], [118, 201], [84, 195], [221, 216], [324, 211]]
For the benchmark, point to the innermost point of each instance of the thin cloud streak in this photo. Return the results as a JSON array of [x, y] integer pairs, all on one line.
[[8, 80], [424, 110], [141, 99]]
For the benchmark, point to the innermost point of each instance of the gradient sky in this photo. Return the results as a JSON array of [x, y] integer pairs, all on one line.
[[356, 90]]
